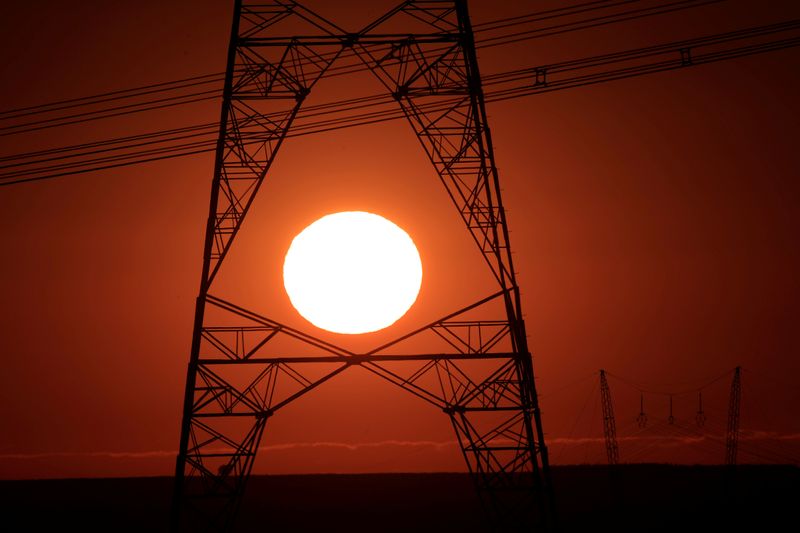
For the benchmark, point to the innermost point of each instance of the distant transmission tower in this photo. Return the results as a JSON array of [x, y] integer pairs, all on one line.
[[732, 435], [641, 418], [479, 371], [609, 423], [700, 416]]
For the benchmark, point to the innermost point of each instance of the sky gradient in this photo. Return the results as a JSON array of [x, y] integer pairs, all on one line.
[[654, 223]]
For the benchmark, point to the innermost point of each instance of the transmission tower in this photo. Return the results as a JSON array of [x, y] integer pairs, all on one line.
[[609, 423], [700, 416], [641, 418], [732, 435], [480, 373]]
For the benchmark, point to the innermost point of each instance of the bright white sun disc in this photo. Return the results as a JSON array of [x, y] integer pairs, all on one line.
[[352, 272]]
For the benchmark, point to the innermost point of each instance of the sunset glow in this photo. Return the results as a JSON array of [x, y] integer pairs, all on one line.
[[352, 272]]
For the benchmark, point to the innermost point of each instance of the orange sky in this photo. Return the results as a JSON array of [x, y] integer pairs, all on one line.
[[653, 220]]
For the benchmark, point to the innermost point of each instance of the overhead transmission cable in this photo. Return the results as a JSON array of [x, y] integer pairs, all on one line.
[[329, 116], [333, 71], [705, 383], [218, 77]]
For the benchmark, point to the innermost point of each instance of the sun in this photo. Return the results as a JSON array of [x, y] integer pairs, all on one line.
[[352, 272]]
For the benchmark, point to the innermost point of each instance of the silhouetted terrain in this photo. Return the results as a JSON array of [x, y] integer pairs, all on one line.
[[589, 498]]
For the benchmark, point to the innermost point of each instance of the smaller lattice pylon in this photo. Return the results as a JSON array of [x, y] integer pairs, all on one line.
[[641, 418], [609, 423], [732, 435], [700, 417]]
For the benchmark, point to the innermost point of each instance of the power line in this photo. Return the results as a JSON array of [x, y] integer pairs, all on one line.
[[374, 109], [118, 111], [595, 22], [640, 388], [108, 142], [547, 14], [113, 95], [349, 68]]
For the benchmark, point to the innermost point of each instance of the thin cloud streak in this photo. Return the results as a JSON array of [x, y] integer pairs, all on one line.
[[361, 445], [670, 440]]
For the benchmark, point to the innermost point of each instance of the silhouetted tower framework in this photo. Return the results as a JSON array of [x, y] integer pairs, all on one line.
[[700, 416], [641, 418], [609, 422], [478, 371], [732, 435]]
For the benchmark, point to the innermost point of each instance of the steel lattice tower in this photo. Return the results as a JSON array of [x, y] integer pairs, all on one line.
[[609, 422], [734, 405], [480, 373]]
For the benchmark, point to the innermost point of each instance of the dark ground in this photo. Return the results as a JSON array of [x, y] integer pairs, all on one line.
[[589, 498]]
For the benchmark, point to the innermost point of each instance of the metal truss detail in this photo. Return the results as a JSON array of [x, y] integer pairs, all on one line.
[[476, 367], [264, 89]]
